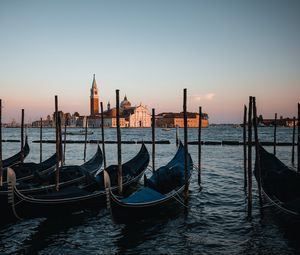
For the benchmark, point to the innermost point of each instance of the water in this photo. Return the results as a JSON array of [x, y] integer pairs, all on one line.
[[216, 222]]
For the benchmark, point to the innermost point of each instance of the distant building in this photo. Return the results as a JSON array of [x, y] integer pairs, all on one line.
[[170, 120], [130, 117], [94, 98], [290, 122], [283, 122], [136, 117], [45, 123]]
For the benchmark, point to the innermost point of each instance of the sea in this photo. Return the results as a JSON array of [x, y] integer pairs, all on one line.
[[215, 221]]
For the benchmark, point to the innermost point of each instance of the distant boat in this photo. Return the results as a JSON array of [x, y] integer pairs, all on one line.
[[79, 132], [166, 129], [261, 125]]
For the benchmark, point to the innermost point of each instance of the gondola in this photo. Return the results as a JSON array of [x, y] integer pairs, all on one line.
[[74, 198], [161, 194], [280, 185], [68, 175], [45, 182], [27, 171], [17, 158]]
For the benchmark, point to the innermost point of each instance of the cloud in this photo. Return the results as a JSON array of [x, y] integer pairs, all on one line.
[[208, 97]]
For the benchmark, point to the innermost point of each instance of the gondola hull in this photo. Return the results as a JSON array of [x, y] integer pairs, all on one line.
[[280, 186], [165, 207], [17, 158], [285, 215]]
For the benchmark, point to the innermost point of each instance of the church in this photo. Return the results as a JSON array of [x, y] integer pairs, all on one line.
[[130, 116]]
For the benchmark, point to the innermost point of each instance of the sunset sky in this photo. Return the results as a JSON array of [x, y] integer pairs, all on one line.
[[221, 51]]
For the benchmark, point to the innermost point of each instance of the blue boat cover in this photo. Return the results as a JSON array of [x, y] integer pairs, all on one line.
[[163, 180], [168, 177], [143, 196]]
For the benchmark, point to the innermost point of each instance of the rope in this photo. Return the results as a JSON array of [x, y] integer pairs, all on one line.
[[178, 199]]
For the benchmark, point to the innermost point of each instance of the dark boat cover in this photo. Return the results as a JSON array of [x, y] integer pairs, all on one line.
[[279, 181]]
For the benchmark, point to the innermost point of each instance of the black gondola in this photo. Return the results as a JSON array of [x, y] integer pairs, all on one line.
[[43, 183], [15, 159], [68, 175], [162, 192], [280, 185], [27, 171], [74, 198]]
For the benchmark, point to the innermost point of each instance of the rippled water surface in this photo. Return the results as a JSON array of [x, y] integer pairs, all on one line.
[[216, 222]]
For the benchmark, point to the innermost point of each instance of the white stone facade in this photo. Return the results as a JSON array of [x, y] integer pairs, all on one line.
[[139, 118]]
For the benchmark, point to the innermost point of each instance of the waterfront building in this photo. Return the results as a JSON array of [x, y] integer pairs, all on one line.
[[45, 123], [170, 120], [130, 116], [283, 122], [137, 117]]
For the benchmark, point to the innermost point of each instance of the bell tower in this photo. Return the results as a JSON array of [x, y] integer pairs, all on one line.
[[94, 98]]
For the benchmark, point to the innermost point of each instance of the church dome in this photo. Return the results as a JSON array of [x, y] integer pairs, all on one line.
[[125, 103]]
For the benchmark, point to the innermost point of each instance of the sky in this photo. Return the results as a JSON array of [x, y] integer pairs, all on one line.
[[221, 51]]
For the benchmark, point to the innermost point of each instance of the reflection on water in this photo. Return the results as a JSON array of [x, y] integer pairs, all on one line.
[[216, 222]]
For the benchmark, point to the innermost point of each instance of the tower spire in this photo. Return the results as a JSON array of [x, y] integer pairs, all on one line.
[[94, 98], [94, 84]]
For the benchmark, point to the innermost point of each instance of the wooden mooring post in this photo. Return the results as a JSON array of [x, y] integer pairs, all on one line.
[[293, 142], [102, 134], [177, 136], [120, 178], [275, 128], [60, 139], [41, 140], [22, 136], [153, 139], [245, 145], [1, 171], [186, 187], [85, 138], [57, 144], [257, 155], [65, 141], [199, 146], [298, 145], [250, 158]]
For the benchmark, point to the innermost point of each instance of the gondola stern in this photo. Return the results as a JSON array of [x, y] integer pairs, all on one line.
[[11, 176], [11, 180], [107, 186]]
